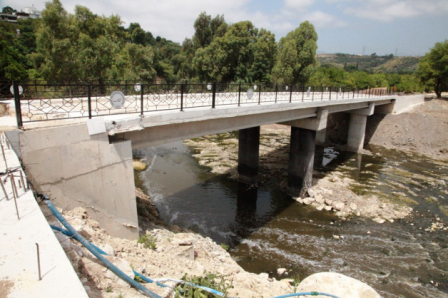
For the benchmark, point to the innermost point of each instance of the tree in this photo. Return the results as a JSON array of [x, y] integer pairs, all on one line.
[[8, 9], [11, 62], [206, 29], [296, 55], [433, 68]]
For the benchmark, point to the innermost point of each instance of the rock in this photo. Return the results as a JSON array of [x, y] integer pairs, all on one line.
[[338, 285], [123, 265], [107, 248], [339, 206], [287, 281], [336, 237], [281, 271], [311, 192], [139, 165], [320, 207], [368, 233], [307, 201], [378, 220], [353, 206], [328, 202], [319, 198], [328, 208], [264, 275]]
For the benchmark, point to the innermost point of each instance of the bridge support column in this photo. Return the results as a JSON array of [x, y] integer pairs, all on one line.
[[357, 128], [301, 160], [248, 154]]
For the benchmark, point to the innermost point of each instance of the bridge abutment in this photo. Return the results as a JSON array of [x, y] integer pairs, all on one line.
[[248, 154]]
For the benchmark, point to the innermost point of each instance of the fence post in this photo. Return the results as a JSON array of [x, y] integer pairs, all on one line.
[[330, 94], [303, 93], [276, 90], [259, 95], [312, 97], [125, 87], [141, 98], [17, 104], [182, 97], [239, 94], [322, 96], [214, 95], [290, 94], [89, 100]]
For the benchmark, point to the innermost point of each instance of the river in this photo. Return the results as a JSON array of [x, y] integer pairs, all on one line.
[[265, 229]]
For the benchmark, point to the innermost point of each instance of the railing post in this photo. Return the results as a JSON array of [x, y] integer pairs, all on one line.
[[89, 100], [312, 96], [303, 93], [17, 104], [141, 98], [330, 94], [322, 96], [353, 92], [276, 90], [290, 94], [125, 87], [214, 96], [182, 97], [343, 91], [259, 95], [35, 89], [239, 94]]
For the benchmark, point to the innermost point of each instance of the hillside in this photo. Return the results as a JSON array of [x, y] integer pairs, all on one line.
[[371, 63]]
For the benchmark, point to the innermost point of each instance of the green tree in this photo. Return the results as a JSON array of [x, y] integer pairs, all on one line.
[[11, 61], [206, 29], [8, 9], [433, 68], [297, 55]]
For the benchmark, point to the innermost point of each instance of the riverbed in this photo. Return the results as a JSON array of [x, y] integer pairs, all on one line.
[[265, 229]]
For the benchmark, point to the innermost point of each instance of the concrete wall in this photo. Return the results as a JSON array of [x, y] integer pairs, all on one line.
[[402, 104], [76, 169]]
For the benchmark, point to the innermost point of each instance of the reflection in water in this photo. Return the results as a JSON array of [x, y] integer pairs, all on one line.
[[267, 230]]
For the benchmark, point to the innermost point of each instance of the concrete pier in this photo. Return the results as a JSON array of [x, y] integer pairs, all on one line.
[[301, 160], [357, 128], [248, 154]]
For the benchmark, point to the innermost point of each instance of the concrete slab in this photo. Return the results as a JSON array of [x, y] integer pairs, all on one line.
[[18, 253]]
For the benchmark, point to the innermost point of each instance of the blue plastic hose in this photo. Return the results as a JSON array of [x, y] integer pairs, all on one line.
[[307, 293], [96, 253]]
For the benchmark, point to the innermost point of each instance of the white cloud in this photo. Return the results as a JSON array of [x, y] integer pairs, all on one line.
[[389, 10], [322, 20]]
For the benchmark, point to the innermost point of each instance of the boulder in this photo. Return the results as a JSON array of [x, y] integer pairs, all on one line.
[[281, 271], [338, 285], [139, 165]]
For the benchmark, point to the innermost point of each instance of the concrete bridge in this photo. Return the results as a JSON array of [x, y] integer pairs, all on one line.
[[89, 164]]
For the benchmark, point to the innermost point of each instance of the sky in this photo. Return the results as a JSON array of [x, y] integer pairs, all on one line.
[[399, 27]]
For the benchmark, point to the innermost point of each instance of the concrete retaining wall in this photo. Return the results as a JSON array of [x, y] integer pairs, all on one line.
[[76, 169], [402, 104]]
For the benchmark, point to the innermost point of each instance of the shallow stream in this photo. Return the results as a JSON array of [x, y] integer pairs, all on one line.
[[265, 229]]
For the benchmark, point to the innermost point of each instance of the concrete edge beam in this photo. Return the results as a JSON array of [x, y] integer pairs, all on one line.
[[315, 123], [366, 111]]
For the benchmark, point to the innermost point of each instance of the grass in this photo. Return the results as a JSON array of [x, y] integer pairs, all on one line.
[[148, 241], [108, 289], [211, 280]]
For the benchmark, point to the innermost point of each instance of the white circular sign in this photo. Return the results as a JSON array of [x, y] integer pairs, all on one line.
[[12, 89], [117, 99], [286, 88], [137, 87], [250, 93], [255, 87], [209, 87]]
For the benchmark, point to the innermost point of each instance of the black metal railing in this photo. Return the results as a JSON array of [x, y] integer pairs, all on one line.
[[36, 101]]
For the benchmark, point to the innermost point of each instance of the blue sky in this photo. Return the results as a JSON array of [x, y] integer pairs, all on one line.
[[408, 27]]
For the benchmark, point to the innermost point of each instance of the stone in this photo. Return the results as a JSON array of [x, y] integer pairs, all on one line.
[[353, 206], [379, 220], [328, 208], [336, 237], [339, 206], [281, 271], [328, 202], [107, 248], [320, 207], [264, 275], [319, 198], [123, 265], [311, 192], [139, 165], [307, 201], [338, 285]]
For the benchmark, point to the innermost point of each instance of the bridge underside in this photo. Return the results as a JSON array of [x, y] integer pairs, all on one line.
[[308, 125]]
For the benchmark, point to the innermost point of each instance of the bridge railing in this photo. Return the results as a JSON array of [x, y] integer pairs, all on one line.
[[39, 101]]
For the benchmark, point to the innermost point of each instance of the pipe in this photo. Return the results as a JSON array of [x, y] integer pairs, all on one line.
[[144, 278], [96, 253], [307, 293]]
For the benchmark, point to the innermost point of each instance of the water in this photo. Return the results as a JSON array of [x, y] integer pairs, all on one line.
[[267, 230]]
